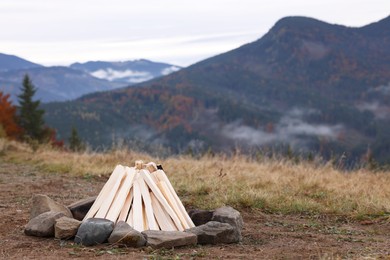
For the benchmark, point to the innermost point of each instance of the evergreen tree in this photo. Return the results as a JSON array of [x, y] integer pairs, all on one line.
[[75, 143], [30, 116]]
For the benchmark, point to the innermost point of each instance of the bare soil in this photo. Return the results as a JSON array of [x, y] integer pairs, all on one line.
[[265, 236]]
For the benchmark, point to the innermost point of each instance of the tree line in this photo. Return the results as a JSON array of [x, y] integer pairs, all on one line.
[[25, 122]]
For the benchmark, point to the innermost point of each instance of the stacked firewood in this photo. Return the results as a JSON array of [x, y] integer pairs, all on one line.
[[143, 197]]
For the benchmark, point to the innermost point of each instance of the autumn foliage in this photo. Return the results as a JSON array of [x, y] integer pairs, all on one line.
[[8, 117], [25, 122]]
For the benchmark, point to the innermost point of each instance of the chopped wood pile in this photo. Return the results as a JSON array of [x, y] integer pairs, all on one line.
[[143, 197]]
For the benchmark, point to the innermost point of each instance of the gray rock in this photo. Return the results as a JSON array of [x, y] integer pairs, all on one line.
[[42, 203], [214, 232], [43, 224], [66, 228], [168, 239], [80, 208], [200, 217], [231, 216], [125, 235], [94, 231]]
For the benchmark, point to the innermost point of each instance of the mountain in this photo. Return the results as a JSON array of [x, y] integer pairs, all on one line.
[[127, 72], [54, 83], [12, 62], [306, 85], [62, 83]]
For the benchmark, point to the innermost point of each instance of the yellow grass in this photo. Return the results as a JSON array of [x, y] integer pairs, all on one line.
[[209, 182]]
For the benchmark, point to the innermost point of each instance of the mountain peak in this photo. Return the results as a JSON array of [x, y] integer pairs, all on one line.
[[298, 21], [378, 29], [302, 23]]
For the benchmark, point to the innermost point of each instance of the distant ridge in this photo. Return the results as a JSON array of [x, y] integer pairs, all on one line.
[[59, 83], [12, 62], [128, 72], [55, 83]]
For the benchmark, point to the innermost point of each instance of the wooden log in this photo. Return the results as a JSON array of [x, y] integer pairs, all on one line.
[[167, 194], [151, 167], [149, 216], [121, 195], [130, 218], [138, 219], [160, 174], [139, 164], [126, 207], [119, 169], [103, 210], [145, 219], [160, 197], [163, 219]]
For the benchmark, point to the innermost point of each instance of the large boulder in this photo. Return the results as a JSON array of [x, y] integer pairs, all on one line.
[[231, 216], [214, 232], [80, 208], [168, 239], [42, 203], [200, 217], [125, 235], [94, 231], [66, 228], [43, 224]]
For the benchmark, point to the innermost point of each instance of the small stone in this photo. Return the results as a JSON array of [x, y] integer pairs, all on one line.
[[66, 228], [125, 235], [168, 239], [42, 203], [214, 232], [94, 231], [231, 216], [200, 217], [80, 208], [43, 224]]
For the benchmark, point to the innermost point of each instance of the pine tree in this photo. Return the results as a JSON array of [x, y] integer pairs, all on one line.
[[30, 116], [75, 143]]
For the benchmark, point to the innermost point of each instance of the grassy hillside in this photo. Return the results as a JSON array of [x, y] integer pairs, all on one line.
[[272, 185]]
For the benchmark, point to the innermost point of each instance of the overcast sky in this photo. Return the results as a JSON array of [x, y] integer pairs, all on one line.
[[181, 32]]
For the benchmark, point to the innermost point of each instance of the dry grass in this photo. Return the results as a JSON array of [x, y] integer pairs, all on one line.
[[273, 185]]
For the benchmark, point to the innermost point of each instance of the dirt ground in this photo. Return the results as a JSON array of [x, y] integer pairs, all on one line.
[[265, 236]]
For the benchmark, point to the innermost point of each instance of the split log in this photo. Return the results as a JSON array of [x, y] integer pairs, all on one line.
[[130, 218], [160, 197], [152, 225], [163, 219], [160, 174], [138, 219], [119, 169], [102, 212], [121, 195], [151, 167], [165, 190], [126, 207]]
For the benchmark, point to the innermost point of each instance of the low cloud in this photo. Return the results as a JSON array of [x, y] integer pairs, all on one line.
[[169, 70], [384, 89], [291, 129], [380, 111], [132, 75], [247, 134], [294, 126]]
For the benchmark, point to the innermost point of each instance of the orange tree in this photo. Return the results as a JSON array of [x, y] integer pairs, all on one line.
[[8, 117]]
